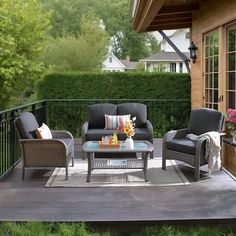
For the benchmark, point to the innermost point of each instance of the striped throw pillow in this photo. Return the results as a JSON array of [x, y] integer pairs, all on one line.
[[112, 122]]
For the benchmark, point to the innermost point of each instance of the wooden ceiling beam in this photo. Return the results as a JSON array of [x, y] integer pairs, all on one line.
[[169, 27], [172, 19], [173, 16], [178, 9], [170, 22]]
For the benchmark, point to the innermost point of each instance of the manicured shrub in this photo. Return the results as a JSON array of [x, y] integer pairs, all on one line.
[[127, 85]]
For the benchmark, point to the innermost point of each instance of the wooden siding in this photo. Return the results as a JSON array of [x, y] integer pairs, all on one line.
[[211, 15]]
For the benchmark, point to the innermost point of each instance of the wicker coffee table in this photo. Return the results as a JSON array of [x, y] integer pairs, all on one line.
[[114, 161]]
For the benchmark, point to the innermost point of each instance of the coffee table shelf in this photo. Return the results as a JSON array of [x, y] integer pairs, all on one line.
[[107, 164]]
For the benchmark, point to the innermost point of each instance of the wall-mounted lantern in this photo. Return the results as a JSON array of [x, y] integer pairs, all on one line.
[[193, 52]]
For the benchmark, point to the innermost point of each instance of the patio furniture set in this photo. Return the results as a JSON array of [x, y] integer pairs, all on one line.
[[58, 150]]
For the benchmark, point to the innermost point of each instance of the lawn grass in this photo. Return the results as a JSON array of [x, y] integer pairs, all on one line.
[[80, 229]]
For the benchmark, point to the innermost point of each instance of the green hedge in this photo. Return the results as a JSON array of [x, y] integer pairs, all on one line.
[[128, 85]]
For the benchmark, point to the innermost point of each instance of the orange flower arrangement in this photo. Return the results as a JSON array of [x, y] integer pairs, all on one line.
[[129, 128]]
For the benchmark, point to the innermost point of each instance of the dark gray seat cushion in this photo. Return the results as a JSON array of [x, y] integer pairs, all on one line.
[[135, 109], [26, 124], [183, 145], [96, 114], [204, 120]]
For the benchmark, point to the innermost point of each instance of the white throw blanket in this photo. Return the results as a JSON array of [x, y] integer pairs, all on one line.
[[212, 148]]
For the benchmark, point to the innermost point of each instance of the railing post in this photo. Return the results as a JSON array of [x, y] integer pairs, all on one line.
[[44, 105], [12, 138]]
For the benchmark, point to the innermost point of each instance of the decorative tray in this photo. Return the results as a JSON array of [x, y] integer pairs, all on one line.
[[108, 145]]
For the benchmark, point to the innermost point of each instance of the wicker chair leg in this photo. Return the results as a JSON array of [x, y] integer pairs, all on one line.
[[152, 155], [197, 174], [72, 160], [23, 173], [163, 163], [66, 172]]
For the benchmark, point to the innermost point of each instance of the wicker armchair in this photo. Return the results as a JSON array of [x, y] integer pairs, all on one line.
[[38, 153], [177, 147]]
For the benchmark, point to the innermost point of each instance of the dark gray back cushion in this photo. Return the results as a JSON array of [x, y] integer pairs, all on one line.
[[96, 114], [26, 124], [135, 109], [204, 120]]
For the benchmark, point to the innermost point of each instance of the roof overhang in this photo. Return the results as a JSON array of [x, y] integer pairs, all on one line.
[[154, 15], [159, 60]]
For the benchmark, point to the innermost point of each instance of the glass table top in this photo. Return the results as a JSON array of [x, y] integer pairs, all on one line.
[[139, 146]]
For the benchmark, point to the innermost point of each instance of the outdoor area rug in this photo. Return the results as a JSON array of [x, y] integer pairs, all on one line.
[[119, 177]]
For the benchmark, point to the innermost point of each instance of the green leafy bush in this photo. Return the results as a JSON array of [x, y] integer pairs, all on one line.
[[114, 86], [81, 229]]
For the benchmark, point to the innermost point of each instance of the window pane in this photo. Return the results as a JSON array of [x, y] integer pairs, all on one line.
[[215, 62], [232, 40], [231, 100], [216, 80], [231, 63], [207, 40], [216, 50], [215, 38], [216, 95], [207, 51], [231, 81]]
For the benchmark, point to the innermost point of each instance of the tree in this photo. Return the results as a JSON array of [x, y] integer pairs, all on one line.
[[118, 22], [23, 25], [67, 15], [84, 53]]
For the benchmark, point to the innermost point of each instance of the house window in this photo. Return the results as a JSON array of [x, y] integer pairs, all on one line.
[[110, 59], [211, 72], [231, 67], [180, 67], [172, 67], [187, 35]]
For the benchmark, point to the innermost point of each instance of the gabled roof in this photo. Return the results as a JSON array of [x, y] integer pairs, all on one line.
[[165, 56], [129, 65], [110, 54]]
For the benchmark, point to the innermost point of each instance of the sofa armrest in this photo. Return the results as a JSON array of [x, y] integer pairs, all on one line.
[[150, 130], [57, 134], [84, 131]]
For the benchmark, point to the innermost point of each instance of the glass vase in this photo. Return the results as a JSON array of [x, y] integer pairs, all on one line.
[[129, 142]]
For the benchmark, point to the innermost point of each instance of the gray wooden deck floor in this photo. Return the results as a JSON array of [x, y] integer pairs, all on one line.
[[209, 199]]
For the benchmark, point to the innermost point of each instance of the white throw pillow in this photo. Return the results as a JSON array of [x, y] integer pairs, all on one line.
[[43, 132]]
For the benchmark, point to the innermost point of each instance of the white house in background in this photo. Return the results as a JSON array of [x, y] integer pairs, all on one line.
[[112, 63], [167, 60], [181, 40]]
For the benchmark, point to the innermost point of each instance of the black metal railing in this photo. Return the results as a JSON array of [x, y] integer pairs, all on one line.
[[70, 114]]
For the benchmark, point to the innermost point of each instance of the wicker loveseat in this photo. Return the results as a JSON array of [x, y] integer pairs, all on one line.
[[93, 129], [38, 153]]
